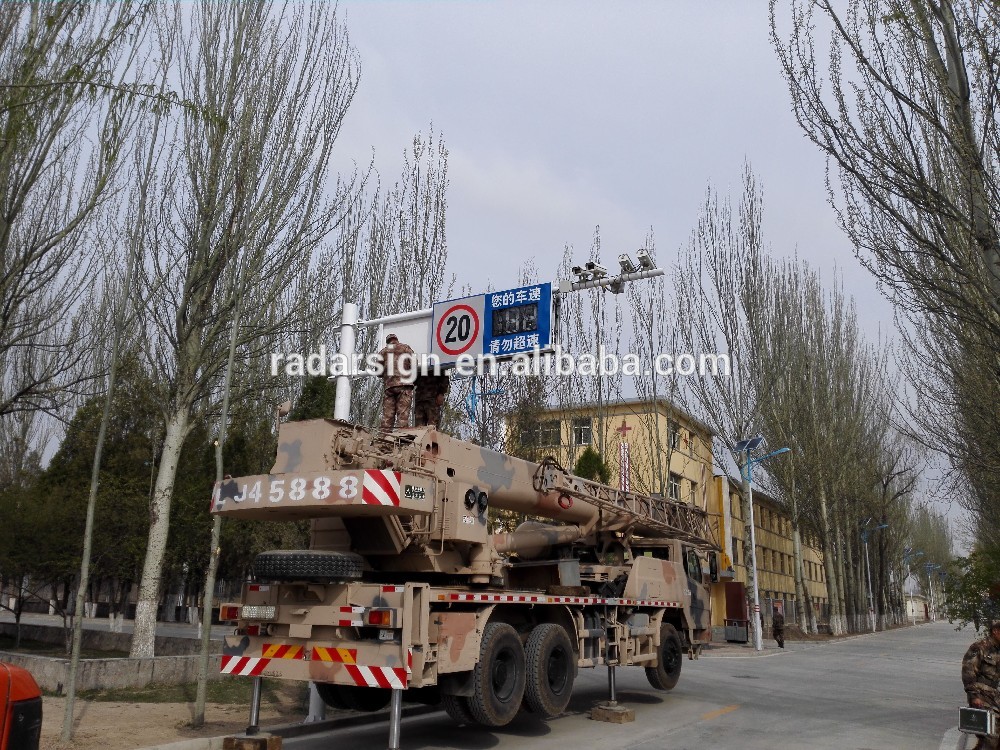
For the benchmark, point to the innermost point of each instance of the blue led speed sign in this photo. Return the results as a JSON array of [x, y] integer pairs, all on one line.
[[502, 324]]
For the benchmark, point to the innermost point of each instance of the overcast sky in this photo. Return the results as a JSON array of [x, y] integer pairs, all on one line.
[[560, 116]]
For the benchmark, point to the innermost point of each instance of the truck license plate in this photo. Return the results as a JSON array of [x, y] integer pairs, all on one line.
[[385, 634]]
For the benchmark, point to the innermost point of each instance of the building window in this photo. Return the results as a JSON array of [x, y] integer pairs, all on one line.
[[674, 488], [782, 563], [694, 492], [736, 548], [675, 437], [547, 433], [583, 432]]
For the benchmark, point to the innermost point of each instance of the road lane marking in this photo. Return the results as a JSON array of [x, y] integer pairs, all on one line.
[[720, 712]]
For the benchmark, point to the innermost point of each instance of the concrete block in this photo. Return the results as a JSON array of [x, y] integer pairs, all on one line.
[[613, 714], [255, 742]]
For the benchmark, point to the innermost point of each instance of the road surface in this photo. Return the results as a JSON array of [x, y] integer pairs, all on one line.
[[899, 689]]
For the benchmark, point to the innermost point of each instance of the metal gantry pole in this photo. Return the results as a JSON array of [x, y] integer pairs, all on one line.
[[342, 397], [342, 411]]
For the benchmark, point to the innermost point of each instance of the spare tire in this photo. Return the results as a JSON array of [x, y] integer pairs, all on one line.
[[307, 565]]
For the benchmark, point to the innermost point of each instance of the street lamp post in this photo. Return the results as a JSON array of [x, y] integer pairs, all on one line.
[[865, 533], [745, 446]]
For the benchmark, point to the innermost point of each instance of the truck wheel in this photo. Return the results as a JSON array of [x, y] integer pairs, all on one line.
[[668, 671], [550, 670], [332, 695], [457, 707], [365, 698], [498, 679], [307, 565]]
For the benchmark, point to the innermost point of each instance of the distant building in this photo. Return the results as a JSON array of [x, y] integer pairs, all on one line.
[[917, 607], [775, 553], [653, 446], [662, 450]]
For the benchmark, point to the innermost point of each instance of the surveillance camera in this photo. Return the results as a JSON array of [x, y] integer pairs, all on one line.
[[626, 263], [577, 271], [644, 260], [597, 269]]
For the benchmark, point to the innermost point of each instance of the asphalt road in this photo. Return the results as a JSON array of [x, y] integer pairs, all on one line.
[[899, 689]]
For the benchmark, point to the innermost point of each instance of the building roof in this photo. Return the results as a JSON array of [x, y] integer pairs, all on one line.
[[667, 404]]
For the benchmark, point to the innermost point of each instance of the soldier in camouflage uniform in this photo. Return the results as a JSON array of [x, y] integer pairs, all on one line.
[[397, 362], [429, 399], [981, 673]]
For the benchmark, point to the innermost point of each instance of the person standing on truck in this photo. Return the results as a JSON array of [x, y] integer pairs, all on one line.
[[778, 627], [981, 673], [432, 390], [398, 364]]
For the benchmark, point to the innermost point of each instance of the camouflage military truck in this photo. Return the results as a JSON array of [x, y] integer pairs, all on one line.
[[404, 587]]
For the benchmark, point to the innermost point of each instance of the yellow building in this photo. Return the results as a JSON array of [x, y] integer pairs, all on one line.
[[669, 452], [775, 553]]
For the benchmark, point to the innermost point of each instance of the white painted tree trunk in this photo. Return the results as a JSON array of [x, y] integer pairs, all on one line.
[[838, 626], [144, 632]]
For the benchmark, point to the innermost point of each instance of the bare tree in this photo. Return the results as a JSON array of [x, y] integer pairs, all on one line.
[[64, 127], [904, 106], [395, 252], [718, 283], [906, 111], [242, 190], [654, 333], [591, 328]]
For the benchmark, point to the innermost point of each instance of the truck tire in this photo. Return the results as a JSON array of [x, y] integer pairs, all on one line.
[[667, 672], [307, 565], [332, 695], [550, 670], [457, 707], [498, 679], [366, 699]]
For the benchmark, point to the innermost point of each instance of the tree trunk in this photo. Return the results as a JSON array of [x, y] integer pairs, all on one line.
[[201, 692], [837, 623], [838, 578], [800, 584], [144, 629]]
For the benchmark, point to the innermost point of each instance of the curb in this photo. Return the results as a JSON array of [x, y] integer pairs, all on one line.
[[299, 729]]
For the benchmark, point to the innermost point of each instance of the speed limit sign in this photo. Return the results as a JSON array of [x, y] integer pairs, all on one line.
[[457, 328]]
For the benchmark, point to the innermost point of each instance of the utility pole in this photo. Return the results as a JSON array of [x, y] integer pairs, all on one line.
[[745, 446]]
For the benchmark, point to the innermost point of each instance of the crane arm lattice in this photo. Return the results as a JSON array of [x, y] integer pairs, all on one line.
[[630, 511]]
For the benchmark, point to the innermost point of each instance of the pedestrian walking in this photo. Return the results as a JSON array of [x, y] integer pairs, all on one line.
[[778, 627], [980, 676]]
